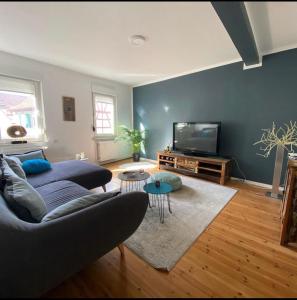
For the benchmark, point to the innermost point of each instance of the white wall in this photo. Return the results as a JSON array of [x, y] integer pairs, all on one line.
[[68, 138]]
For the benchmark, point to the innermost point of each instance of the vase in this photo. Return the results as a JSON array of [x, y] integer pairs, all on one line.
[[136, 156], [279, 157]]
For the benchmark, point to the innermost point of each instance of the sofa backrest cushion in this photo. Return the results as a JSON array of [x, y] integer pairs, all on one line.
[[16, 165], [77, 204], [30, 155], [36, 166], [7, 216], [22, 198]]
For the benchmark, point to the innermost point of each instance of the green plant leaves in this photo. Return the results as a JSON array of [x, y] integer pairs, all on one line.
[[135, 136]]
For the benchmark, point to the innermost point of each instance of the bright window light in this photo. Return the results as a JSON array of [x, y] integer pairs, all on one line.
[[104, 119], [19, 105]]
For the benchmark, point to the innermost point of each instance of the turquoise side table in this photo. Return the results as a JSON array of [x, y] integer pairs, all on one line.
[[159, 195]]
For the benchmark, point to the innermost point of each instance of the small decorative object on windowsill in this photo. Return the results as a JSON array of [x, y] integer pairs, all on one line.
[[17, 132], [284, 139], [135, 137], [80, 156], [19, 142]]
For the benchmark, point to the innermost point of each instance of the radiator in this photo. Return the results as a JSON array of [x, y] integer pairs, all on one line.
[[108, 151]]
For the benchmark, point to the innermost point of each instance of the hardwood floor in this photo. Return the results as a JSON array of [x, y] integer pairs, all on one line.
[[237, 256]]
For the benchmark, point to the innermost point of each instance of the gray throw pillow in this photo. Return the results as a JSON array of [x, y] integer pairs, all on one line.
[[7, 169], [16, 165], [21, 196], [76, 205]]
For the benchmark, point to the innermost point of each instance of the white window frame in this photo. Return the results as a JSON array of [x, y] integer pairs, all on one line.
[[41, 117], [105, 136]]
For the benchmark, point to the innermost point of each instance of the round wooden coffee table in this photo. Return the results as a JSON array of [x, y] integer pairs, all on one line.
[[133, 180]]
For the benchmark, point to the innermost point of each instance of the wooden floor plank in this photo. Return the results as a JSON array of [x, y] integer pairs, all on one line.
[[238, 255], [251, 264]]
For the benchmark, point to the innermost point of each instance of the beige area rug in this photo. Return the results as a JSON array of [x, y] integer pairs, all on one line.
[[194, 207]]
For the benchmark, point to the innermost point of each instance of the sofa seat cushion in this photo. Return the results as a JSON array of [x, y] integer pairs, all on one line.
[[83, 173], [58, 193]]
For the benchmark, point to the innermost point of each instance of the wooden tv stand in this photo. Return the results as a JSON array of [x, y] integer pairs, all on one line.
[[209, 168]]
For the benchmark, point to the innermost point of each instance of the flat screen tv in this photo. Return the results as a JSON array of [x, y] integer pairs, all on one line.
[[196, 138]]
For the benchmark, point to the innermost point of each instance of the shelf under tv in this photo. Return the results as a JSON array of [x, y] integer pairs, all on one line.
[[209, 168]]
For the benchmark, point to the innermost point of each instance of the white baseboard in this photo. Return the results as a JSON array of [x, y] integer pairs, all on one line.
[[260, 184], [123, 158], [104, 162], [149, 160]]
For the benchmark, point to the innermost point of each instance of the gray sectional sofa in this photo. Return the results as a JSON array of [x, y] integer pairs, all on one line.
[[35, 257]]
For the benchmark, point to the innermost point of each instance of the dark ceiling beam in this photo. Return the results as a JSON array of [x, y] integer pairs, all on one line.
[[236, 21]]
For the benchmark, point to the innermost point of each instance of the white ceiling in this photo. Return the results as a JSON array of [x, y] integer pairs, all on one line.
[[274, 25], [92, 37]]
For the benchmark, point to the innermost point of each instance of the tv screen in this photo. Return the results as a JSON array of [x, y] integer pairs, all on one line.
[[196, 138]]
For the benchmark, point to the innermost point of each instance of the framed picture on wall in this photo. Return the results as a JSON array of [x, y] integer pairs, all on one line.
[[68, 108]]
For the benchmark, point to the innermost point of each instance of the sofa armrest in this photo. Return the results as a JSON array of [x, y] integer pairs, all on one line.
[[54, 250]]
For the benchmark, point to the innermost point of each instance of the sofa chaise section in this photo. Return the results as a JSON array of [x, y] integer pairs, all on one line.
[[83, 173]]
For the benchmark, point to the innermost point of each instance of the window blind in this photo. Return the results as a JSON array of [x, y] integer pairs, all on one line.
[[12, 84]]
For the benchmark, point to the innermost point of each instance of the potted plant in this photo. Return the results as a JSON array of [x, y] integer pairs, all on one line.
[[134, 136]]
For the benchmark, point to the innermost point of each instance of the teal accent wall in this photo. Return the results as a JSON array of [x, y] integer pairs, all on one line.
[[245, 101]]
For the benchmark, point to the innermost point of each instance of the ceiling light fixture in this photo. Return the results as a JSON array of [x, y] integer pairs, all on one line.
[[137, 40]]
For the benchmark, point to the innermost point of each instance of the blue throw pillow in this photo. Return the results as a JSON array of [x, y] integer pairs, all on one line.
[[36, 166]]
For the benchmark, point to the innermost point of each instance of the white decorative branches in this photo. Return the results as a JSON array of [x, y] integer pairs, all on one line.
[[285, 137]]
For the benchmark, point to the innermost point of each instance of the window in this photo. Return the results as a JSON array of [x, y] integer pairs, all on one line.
[[20, 104], [104, 119]]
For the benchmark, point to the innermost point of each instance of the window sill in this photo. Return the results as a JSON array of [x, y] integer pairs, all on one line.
[[104, 138]]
